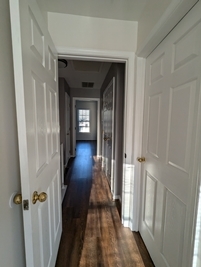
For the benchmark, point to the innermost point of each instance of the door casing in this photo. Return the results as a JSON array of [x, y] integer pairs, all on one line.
[[130, 216]]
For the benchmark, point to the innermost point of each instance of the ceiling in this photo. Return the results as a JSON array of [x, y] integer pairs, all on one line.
[[110, 9], [79, 71]]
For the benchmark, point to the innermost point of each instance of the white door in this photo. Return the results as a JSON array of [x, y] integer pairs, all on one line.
[[108, 132], [36, 89], [170, 142], [67, 122]]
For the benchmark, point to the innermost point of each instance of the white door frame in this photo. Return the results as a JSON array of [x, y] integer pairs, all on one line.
[[74, 123], [130, 215]]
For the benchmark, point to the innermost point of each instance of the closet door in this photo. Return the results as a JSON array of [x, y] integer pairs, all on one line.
[[108, 132], [67, 124], [170, 143]]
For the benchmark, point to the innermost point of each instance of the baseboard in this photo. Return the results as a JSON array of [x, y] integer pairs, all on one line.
[[117, 197]]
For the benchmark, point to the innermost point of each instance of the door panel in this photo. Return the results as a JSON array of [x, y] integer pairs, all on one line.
[[36, 89], [172, 105], [180, 125], [153, 124]]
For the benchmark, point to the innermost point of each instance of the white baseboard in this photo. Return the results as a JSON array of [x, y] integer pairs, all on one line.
[[117, 197]]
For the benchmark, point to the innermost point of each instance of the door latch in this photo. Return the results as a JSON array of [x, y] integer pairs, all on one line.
[[26, 204]]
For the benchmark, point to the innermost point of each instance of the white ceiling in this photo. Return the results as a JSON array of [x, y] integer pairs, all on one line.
[[79, 71], [111, 9]]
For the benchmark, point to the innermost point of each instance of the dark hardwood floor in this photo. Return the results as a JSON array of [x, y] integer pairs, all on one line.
[[92, 232]]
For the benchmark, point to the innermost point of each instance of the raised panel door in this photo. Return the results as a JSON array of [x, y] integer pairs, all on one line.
[[171, 135], [36, 90]]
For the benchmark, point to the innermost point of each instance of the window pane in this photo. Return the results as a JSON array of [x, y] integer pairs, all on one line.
[[84, 120]]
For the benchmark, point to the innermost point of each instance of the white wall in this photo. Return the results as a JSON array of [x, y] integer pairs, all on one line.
[[152, 12], [92, 33], [157, 20], [92, 106], [11, 226]]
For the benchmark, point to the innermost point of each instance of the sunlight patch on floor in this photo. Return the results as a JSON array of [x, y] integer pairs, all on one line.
[[127, 194], [197, 244]]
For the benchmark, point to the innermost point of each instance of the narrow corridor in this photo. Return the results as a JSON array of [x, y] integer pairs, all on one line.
[[92, 231]]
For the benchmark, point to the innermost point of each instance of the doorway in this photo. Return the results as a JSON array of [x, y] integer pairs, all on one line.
[[74, 122], [127, 140]]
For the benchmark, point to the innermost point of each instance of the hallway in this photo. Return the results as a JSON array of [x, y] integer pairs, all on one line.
[[92, 231]]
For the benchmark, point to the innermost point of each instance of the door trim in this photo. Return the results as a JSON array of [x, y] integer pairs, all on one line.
[[139, 119], [128, 208]]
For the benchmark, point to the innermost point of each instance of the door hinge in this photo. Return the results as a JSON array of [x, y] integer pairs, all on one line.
[[26, 204], [125, 155]]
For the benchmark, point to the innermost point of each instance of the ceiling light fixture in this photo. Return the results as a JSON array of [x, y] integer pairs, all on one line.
[[62, 63]]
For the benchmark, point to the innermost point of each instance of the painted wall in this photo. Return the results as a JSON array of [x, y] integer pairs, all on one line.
[[92, 33], [11, 225], [63, 88], [80, 92], [151, 14], [88, 93], [157, 20], [92, 106], [117, 70]]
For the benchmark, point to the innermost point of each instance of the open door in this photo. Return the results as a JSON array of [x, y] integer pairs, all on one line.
[[36, 89], [67, 123], [108, 133], [171, 140]]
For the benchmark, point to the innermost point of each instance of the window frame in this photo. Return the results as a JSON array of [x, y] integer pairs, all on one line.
[[79, 121]]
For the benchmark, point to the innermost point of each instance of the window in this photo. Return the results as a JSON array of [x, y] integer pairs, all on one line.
[[84, 120]]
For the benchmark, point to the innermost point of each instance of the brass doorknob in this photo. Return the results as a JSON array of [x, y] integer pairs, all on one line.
[[17, 199], [40, 197], [141, 159]]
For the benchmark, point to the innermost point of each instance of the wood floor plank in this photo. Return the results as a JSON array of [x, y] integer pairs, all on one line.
[[93, 235]]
